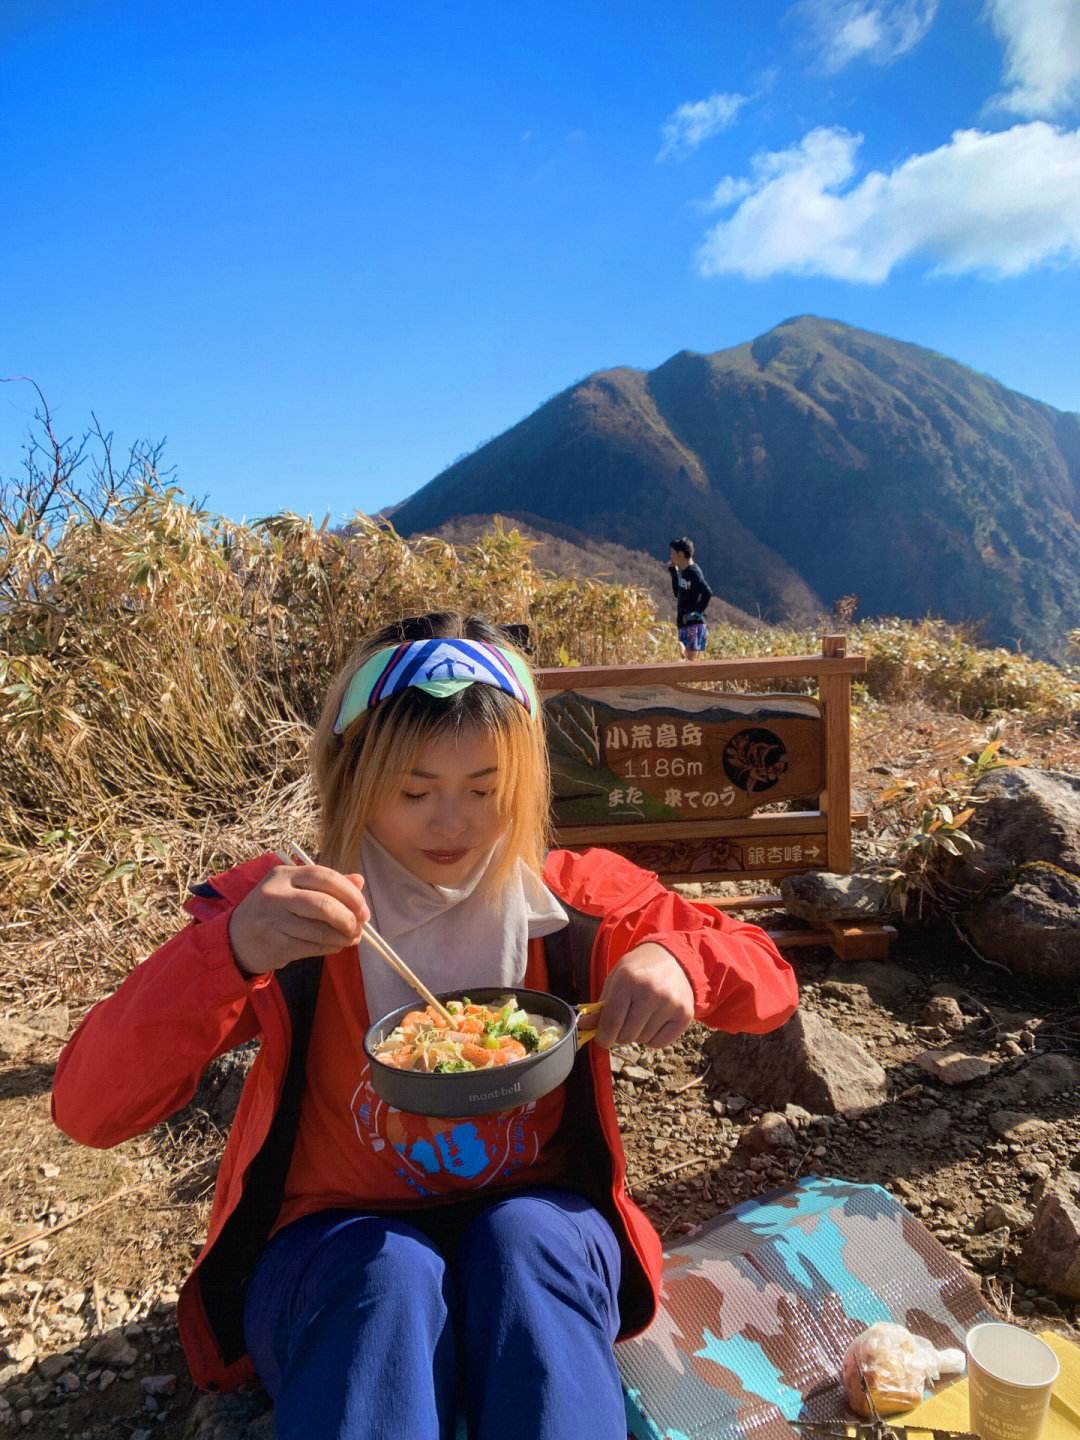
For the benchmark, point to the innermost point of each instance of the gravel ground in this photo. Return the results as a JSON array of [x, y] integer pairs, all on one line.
[[97, 1360]]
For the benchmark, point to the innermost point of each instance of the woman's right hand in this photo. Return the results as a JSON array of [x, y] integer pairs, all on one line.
[[297, 910]]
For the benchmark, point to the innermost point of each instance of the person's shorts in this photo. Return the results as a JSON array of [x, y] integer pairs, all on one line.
[[694, 637]]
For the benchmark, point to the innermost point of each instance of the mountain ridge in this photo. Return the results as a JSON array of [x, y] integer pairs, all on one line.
[[813, 461]]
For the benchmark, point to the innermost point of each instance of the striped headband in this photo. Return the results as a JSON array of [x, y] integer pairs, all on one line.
[[439, 667]]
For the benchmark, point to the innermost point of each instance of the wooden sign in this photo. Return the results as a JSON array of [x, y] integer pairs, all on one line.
[[705, 784], [700, 785], [659, 753], [723, 858]]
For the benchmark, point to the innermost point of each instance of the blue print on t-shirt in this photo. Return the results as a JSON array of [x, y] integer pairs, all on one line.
[[459, 1151]]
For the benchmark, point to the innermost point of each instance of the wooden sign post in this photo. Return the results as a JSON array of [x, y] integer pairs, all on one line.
[[706, 784]]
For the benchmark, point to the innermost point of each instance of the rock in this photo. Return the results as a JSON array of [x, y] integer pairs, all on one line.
[[1022, 880], [807, 1062], [225, 1417], [689, 889], [735, 1104], [53, 1020], [820, 897], [886, 983], [999, 1214], [944, 1011], [1024, 814], [1033, 927], [23, 1349], [158, 1385], [1036, 1170], [1050, 1258], [15, 1040], [106, 1378], [52, 1366], [770, 1134], [1016, 1125], [988, 1250], [796, 1116], [1044, 1075], [113, 1349], [637, 1073], [953, 1067], [48, 1172]]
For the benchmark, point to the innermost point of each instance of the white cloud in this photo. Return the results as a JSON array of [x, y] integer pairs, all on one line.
[[691, 124], [993, 203], [876, 30], [727, 191], [1042, 53]]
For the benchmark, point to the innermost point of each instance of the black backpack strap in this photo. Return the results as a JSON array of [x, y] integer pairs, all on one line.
[[568, 954], [224, 1274], [569, 961]]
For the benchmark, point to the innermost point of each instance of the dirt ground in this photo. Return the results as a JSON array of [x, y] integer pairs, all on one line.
[[87, 1308]]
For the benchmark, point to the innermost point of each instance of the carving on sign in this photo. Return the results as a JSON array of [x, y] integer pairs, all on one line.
[[742, 855], [755, 759], [660, 753]]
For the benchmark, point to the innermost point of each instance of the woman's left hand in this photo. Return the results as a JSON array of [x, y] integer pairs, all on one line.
[[647, 1000]]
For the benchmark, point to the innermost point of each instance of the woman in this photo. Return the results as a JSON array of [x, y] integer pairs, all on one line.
[[383, 1273]]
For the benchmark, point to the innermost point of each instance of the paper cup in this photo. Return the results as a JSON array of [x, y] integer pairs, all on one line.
[[1010, 1376]]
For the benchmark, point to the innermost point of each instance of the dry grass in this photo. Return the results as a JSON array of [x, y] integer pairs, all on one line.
[[160, 668]]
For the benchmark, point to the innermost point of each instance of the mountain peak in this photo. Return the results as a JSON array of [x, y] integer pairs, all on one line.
[[815, 461]]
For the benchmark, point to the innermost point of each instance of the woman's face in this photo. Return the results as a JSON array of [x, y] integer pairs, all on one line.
[[441, 819]]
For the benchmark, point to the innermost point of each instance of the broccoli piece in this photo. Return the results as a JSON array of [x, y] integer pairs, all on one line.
[[451, 1067], [527, 1034]]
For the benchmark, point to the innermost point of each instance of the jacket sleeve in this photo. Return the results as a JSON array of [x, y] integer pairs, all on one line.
[[674, 582], [138, 1055], [741, 982]]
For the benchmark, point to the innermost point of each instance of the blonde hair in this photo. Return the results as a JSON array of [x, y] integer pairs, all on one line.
[[355, 773]]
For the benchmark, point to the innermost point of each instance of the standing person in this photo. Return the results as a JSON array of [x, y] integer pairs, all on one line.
[[379, 1270], [692, 595]]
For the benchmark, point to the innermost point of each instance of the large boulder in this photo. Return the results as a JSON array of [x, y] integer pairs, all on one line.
[[1033, 927], [821, 897], [806, 1062], [1018, 890], [1050, 1258]]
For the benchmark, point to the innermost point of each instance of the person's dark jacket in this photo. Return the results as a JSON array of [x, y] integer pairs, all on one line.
[[692, 593]]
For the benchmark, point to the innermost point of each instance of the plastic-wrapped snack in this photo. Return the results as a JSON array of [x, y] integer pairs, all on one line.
[[896, 1366]]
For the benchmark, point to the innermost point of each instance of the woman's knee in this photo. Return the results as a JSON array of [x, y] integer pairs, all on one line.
[[369, 1258], [554, 1237]]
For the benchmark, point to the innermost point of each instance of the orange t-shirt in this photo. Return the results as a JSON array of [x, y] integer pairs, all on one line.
[[354, 1150]]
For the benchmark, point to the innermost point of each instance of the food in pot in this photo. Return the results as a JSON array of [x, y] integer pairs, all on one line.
[[481, 1037]]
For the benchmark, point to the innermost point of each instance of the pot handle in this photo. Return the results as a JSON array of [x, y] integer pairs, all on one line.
[[591, 1008]]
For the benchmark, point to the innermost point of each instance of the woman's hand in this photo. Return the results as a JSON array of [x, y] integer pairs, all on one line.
[[297, 910], [647, 999]]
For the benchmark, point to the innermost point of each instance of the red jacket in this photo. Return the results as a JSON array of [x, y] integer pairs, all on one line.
[[138, 1056]]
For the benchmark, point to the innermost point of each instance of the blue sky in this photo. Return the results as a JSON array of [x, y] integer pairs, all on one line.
[[325, 248]]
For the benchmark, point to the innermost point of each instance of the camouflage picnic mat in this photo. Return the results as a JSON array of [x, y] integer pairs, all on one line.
[[759, 1306]]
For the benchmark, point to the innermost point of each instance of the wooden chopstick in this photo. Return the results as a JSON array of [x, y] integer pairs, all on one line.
[[382, 946]]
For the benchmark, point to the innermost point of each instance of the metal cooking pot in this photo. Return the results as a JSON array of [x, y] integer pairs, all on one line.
[[480, 1092]]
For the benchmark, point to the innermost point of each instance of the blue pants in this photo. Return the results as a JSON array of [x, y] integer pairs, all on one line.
[[368, 1327]]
